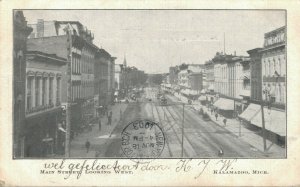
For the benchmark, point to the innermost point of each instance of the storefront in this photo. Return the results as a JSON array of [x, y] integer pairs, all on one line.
[[274, 121], [41, 136]]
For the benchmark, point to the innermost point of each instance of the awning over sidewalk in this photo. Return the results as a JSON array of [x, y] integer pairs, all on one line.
[[224, 104], [245, 93], [250, 112], [274, 121]]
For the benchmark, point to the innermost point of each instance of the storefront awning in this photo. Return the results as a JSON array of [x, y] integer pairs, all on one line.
[[203, 91], [245, 93], [274, 121], [250, 112], [224, 104]]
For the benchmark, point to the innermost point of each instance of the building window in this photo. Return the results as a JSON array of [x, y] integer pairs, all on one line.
[[37, 91], [44, 92], [29, 94], [51, 91], [58, 90]]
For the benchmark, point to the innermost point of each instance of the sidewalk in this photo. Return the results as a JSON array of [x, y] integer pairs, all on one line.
[[234, 126], [97, 138], [256, 141]]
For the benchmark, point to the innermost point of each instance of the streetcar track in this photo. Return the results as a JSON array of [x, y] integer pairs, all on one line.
[[167, 139], [178, 138], [189, 141], [218, 144]]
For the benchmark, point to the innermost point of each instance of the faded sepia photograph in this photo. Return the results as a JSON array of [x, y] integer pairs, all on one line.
[[147, 84]]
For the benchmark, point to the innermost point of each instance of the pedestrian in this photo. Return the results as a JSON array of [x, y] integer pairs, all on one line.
[[216, 115], [87, 145], [211, 111], [224, 121], [99, 124]]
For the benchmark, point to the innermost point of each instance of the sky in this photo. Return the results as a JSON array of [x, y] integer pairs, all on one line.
[[154, 40]]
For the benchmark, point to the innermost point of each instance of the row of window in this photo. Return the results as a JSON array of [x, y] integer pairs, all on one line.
[[280, 37], [78, 66], [88, 57], [82, 90], [231, 88], [274, 66], [40, 91]]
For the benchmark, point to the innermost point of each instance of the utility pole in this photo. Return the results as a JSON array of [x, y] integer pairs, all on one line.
[[182, 130], [69, 99], [263, 121], [263, 127]]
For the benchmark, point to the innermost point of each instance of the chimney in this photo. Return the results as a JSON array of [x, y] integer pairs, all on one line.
[[234, 53]]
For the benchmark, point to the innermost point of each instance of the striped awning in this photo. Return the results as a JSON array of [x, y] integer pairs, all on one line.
[[224, 104]]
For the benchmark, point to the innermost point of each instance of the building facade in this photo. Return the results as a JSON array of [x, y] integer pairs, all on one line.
[[210, 78], [21, 32], [104, 76], [196, 81], [71, 40], [268, 89], [44, 135], [274, 66], [183, 79], [173, 73], [118, 76]]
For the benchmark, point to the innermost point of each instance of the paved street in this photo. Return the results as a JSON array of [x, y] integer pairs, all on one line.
[[202, 139]]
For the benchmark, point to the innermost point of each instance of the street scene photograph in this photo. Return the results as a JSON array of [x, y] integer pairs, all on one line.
[[146, 84]]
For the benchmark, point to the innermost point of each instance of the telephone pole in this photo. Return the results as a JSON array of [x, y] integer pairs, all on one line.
[[263, 127]]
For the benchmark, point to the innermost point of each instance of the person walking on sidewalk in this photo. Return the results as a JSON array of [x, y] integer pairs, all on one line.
[[224, 121], [87, 145], [216, 115]]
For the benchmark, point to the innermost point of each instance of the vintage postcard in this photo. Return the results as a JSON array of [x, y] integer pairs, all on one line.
[[98, 94]]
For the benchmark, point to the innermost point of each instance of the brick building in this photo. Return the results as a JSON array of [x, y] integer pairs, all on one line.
[[21, 32], [104, 77], [52, 37]]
